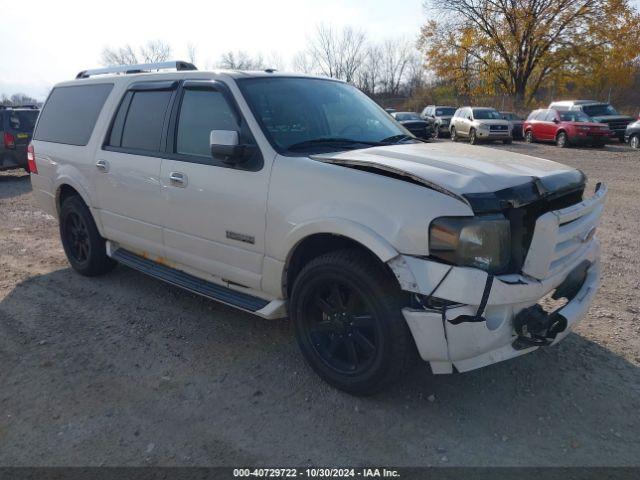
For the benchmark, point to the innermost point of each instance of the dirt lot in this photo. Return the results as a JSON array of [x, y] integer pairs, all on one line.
[[125, 370]]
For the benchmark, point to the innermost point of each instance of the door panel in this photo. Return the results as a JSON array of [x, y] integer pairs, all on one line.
[[127, 168], [128, 194], [214, 212], [216, 222]]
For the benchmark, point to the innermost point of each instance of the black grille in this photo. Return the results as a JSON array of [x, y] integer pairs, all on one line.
[[498, 127]]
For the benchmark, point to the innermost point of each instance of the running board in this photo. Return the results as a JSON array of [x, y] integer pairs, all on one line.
[[189, 282]]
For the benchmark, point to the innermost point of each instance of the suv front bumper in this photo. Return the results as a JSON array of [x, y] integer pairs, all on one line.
[[456, 336]]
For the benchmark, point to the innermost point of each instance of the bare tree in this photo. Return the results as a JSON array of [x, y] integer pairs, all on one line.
[[191, 52], [396, 56], [18, 99], [155, 51], [240, 61], [124, 55], [152, 52], [302, 62], [368, 75], [338, 54]]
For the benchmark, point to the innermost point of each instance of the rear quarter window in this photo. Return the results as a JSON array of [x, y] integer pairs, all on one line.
[[70, 114]]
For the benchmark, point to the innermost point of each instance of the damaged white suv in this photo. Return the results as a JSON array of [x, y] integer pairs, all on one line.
[[294, 195]]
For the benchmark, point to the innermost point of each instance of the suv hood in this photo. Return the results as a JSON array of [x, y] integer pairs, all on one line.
[[453, 168], [612, 118]]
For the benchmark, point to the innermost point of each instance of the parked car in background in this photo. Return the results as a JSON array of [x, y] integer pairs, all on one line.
[[632, 134], [412, 122], [565, 128], [600, 112], [439, 117], [389, 110], [516, 124], [479, 124], [16, 128]]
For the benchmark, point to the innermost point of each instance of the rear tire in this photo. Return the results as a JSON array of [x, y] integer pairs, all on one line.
[[634, 141], [83, 245], [346, 312], [562, 140]]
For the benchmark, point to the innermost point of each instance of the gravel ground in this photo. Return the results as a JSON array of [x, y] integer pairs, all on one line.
[[125, 370]]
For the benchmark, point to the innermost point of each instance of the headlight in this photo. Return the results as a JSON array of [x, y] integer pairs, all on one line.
[[483, 242], [483, 126], [583, 129]]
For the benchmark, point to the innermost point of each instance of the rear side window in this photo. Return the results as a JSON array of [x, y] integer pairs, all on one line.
[[70, 114], [140, 119], [201, 112]]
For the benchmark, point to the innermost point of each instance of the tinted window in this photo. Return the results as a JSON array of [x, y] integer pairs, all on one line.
[[23, 120], [145, 118], [201, 112], [407, 116], [602, 109], [445, 111], [574, 116], [486, 114], [71, 113], [549, 115]]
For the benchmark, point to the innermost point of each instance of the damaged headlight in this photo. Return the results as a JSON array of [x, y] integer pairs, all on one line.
[[483, 242]]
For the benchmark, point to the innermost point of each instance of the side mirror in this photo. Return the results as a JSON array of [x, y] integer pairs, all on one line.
[[555, 120], [225, 145]]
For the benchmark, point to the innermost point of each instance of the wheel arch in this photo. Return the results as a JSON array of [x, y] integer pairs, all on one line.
[[65, 187], [311, 241]]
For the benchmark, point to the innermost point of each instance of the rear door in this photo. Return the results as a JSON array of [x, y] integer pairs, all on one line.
[[127, 168], [213, 212], [547, 125]]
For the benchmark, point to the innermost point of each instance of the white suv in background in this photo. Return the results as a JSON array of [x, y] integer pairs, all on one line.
[[480, 124], [295, 195]]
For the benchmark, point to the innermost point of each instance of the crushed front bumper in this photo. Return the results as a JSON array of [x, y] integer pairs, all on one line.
[[487, 319]]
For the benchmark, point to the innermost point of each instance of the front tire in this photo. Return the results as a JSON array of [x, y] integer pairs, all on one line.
[[562, 140], [346, 312], [634, 141], [454, 134], [473, 137], [83, 245], [528, 136]]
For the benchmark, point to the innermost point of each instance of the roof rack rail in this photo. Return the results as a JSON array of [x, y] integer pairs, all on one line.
[[139, 68]]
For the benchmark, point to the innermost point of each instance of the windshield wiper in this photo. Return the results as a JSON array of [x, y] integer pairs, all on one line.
[[330, 142]]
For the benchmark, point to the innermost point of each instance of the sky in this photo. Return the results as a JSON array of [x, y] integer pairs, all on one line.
[[45, 42]]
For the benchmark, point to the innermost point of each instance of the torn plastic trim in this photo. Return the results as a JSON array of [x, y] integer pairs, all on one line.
[[389, 172]]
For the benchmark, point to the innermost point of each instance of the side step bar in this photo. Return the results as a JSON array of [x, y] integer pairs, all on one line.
[[189, 282]]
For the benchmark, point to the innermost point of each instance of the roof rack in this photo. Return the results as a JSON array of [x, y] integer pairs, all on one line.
[[139, 68]]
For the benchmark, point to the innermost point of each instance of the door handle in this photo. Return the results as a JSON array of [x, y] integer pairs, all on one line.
[[178, 179], [102, 165]]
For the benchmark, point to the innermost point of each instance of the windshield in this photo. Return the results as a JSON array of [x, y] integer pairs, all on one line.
[[574, 116], [23, 121], [596, 110], [486, 114], [445, 111], [295, 110], [402, 117]]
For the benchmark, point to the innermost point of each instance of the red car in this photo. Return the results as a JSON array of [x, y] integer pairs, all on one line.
[[565, 128]]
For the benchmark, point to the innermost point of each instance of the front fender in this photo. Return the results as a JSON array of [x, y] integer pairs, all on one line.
[[338, 226]]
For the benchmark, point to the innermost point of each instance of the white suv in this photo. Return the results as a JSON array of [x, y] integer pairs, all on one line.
[[295, 195], [480, 124]]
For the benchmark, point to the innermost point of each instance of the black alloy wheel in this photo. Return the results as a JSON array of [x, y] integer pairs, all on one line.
[[346, 310]]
